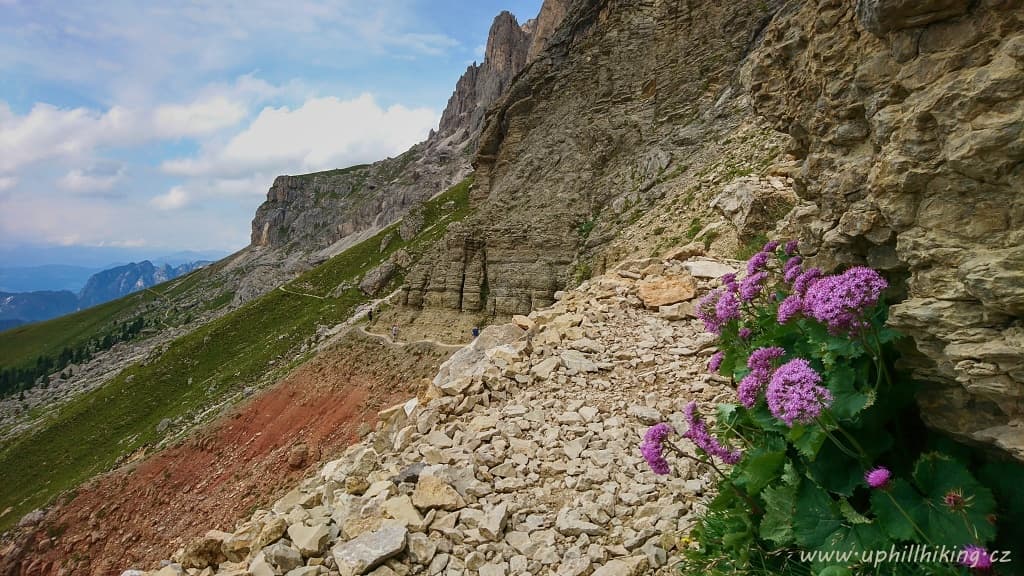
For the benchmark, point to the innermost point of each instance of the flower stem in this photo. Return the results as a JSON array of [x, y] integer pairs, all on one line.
[[846, 450], [750, 501], [909, 519]]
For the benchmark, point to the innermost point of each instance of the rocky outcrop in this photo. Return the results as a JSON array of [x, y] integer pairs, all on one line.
[[530, 467], [318, 212], [908, 118], [483, 84]]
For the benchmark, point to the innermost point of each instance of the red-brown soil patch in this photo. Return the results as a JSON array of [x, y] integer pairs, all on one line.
[[135, 516]]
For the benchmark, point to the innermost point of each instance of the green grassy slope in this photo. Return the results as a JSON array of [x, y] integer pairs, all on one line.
[[250, 346], [22, 345]]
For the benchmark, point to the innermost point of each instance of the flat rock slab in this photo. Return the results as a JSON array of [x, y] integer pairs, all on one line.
[[366, 552]]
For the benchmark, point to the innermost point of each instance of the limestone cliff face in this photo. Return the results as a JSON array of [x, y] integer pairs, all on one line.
[[909, 119], [312, 212], [622, 95]]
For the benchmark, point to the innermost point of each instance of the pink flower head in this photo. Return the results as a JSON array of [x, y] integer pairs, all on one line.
[[840, 302], [791, 247], [716, 361], [878, 478], [717, 308], [729, 281], [771, 246], [975, 557], [805, 280], [699, 435], [757, 262], [745, 333], [760, 364], [789, 308], [794, 393], [751, 286], [652, 448]]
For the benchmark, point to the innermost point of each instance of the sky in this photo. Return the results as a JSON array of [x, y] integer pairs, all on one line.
[[154, 127]]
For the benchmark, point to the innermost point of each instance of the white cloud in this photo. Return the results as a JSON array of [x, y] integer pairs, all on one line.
[[323, 133], [174, 199], [47, 131], [100, 177], [7, 182], [197, 118]]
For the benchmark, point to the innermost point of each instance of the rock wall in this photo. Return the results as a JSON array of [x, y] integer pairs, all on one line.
[[620, 99], [909, 120]]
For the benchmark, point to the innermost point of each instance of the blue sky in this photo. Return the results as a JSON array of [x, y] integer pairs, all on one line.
[[159, 126]]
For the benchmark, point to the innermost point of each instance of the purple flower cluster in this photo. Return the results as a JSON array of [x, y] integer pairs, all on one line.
[[653, 449], [840, 301], [760, 364], [698, 433], [716, 361], [771, 246], [795, 393], [789, 308], [757, 262], [745, 333], [751, 286], [717, 308], [729, 281], [790, 247], [791, 269], [805, 280]]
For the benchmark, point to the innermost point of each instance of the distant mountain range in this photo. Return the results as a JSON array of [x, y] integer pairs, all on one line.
[[18, 308]]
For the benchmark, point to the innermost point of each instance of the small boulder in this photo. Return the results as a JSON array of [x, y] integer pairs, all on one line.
[[432, 492], [662, 291], [367, 551]]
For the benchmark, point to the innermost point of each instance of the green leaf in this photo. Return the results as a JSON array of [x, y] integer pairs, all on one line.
[[847, 401], [807, 439], [938, 475], [841, 347], [835, 471], [887, 335], [780, 507], [816, 516], [851, 515], [761, 465], [726, 413], [886, 506], [850, 542]]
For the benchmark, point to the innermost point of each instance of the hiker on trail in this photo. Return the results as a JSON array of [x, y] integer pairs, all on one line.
[[476, 332], [394, 332], [370, 314]]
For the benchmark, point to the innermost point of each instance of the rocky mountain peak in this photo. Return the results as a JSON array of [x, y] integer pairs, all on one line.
[[508, 45], [552, 12]]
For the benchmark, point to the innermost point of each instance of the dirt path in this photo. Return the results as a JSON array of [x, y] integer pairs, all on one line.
[[136, 516], [387, 339]]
